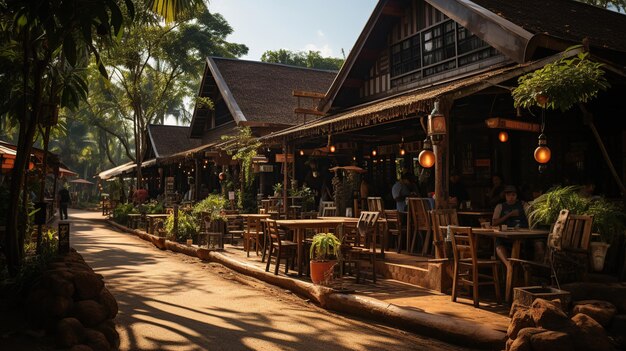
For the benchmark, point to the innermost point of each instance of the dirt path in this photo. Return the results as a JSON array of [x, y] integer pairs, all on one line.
[[170, 301]]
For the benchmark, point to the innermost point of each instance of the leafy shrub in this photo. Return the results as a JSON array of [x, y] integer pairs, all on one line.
[[213, 205], [307, 195], [154, 206], [325, 246], [121, 212], [608, 217], [187, 227]]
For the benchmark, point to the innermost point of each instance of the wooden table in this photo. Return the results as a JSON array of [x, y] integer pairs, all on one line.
[[353, 220], [152, 219], [517, 236], [473, 216], [300, 225]]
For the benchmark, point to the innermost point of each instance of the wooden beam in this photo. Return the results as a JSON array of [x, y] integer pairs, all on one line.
[[352, 83], [307, 111], [393, 9], [309, 94]]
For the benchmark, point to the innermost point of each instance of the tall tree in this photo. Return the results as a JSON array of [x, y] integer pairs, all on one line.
[[309, 59], [156, 66], [45, 46]]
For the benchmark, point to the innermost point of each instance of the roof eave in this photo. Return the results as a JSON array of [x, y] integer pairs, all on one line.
[[229, 99], [505, 36]]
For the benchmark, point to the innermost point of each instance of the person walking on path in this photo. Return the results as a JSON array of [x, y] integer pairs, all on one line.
[[64, 201]]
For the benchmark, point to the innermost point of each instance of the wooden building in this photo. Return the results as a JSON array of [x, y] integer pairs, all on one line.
[[467, 55]]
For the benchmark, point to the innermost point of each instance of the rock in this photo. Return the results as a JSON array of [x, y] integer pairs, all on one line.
[[89, 312], [81, 347], [614, 293], [108, 329], [516, 306], [58, 284], [56, 306], [521, 344], [522, 319], [96, 340], [107, 300], [69, 332], [88, 285], [509, 342], [528, 332], [601, 311], [548, 316], [551, 341], [589, 334]]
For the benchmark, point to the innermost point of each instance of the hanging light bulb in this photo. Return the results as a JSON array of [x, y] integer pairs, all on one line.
[[374, 152], [542, 152], [402, 150], [330, 145], [503, 136], [333, 148], [301, 152], [426, 158]]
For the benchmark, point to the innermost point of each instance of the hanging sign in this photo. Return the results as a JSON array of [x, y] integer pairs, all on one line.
[[503, 123], [280, 158], [64, 237]]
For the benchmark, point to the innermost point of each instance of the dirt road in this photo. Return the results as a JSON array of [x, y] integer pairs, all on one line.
[[169, 301]]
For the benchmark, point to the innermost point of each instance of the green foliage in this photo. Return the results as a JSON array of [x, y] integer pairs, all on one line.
[[325, 246], [35, 264], [121, 212], [565, 83], [307, 195], [243, 147], [213, 205], [309, 59], [608, 218], [278, 188], [246, 201], [187, 227]]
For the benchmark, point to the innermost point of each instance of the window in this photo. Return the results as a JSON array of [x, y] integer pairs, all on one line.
[[439, 48]]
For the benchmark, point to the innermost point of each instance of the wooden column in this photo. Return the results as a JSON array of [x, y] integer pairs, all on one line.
[[197, 179], [285, 175], [440, 149]]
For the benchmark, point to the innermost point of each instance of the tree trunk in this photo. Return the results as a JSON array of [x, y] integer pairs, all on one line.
[[588, 120]]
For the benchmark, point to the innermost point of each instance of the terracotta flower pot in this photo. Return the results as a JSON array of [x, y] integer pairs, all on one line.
[[322, 271]]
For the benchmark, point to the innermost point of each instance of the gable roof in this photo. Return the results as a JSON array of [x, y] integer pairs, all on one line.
[[167, 140], [259, 93], [516, 28]]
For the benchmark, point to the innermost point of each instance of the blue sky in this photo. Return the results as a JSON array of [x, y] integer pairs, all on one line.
[[298, 25]]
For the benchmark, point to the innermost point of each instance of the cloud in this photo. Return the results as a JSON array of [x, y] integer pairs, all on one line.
[[325, 51], [320, 33]]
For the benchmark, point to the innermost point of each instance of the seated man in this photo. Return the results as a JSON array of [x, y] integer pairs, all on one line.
[[510, 212]]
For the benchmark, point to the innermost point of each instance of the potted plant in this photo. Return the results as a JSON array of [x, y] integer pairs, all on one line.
[[278, 189], [325, 252], [608, 217]]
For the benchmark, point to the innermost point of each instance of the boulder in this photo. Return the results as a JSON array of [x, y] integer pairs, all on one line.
[[601, 311], [588, 334], [89, 312], [107, 300], [516, 306], [547, 315], [522, 319], [108, 329], [55, 306], [58, 284], [551, 341], [521, 344], [528, 332], [81, 347], [69, 332], [96, 340], [88, 285]]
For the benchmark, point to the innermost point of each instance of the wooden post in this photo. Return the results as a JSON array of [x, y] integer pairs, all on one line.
[[285, 176], [197, 180], [441, 167]]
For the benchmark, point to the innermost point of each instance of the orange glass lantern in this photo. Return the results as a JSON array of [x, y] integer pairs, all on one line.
[[426, 158], [374, 152], [402, 151], [542, 152], [503, 136], [301, 152], [333, 148]]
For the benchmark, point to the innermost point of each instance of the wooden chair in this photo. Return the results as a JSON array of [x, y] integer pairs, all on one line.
[[281, 249], [234, 227], [420, 223], [362, 247], [253, 234], [211, 232], [440, 220], [467, 264], [375, 204], [324, 204], [394, 226], [329, 212], [567, 256]]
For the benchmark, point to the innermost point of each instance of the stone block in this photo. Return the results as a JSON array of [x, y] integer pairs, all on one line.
[[69, 332], [548, 316], [89, 312], [88, 285], [601, 311], [589, 334]]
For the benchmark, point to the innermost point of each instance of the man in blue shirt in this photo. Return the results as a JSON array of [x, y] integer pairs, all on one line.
[[400, 191]]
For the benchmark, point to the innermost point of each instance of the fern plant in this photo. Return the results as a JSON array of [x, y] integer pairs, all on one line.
[[325, 247], [608, 217]]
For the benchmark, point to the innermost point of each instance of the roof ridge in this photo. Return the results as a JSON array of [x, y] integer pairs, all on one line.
[[273, 64]]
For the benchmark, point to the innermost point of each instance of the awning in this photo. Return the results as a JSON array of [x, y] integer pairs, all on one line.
[[125, 168], [80, 181], [408, 103], [183, 154], [109, 173]]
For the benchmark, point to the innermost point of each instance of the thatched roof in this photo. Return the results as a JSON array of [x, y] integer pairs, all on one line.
[[167, 140]]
